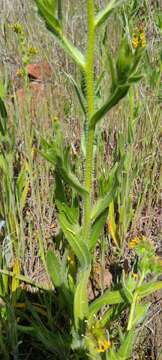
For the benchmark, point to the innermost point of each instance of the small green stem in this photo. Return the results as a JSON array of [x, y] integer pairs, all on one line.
[[90, 111], [132, 310]]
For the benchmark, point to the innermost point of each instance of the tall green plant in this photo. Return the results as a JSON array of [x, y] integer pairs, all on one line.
[[70, 274]]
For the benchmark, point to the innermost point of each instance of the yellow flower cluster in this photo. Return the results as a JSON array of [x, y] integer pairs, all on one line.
[[32, 51], [139, 39], [103, 345], [133, 243], [18, 28]]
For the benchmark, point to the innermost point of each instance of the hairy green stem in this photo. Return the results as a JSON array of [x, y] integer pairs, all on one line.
[[90, 111]]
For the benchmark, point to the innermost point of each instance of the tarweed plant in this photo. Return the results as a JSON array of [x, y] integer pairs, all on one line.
[[70, 274], [66, 323]]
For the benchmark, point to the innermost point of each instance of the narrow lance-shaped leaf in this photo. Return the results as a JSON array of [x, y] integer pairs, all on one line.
[[118, 94], [78, 93], [59, 189], [102, 204], [3, 111], [46, 10], [54, 268], [112, 355], [79, 247], [96, 229], [112, 225], [54, 25], [3, 117], [140, 312], [126, 347], [67, 175], [108, 298], [124, 61], [148, 289], [112, 70], [81, 298]]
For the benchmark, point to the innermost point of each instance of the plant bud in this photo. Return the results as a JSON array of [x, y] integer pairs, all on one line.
[[124, 62]]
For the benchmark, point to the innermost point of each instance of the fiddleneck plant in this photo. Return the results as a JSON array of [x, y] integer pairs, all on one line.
[[70, 274]]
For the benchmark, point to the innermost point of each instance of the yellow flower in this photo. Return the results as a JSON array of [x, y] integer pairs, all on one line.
[[142, 39], [139, 39], [134, 243], [32, 51], [135, 41], [103, 345]]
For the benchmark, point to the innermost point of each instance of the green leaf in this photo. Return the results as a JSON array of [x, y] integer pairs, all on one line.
[[149, 288], [52, 6], [112, 225], [124, 61], [3, 117], [70, 213], [96, 229], [81, 298], [126, 347], [105, 13], [54, 25], [118, 94], [51, 152], [59, 189], [3, 111], [135, 78], [54, 268], [102, 204], [78, 246], [140, 313], [113, 355], [63, 169], [46, 10], [112, 70], [108, 298], [128, 294], [78, 93]]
